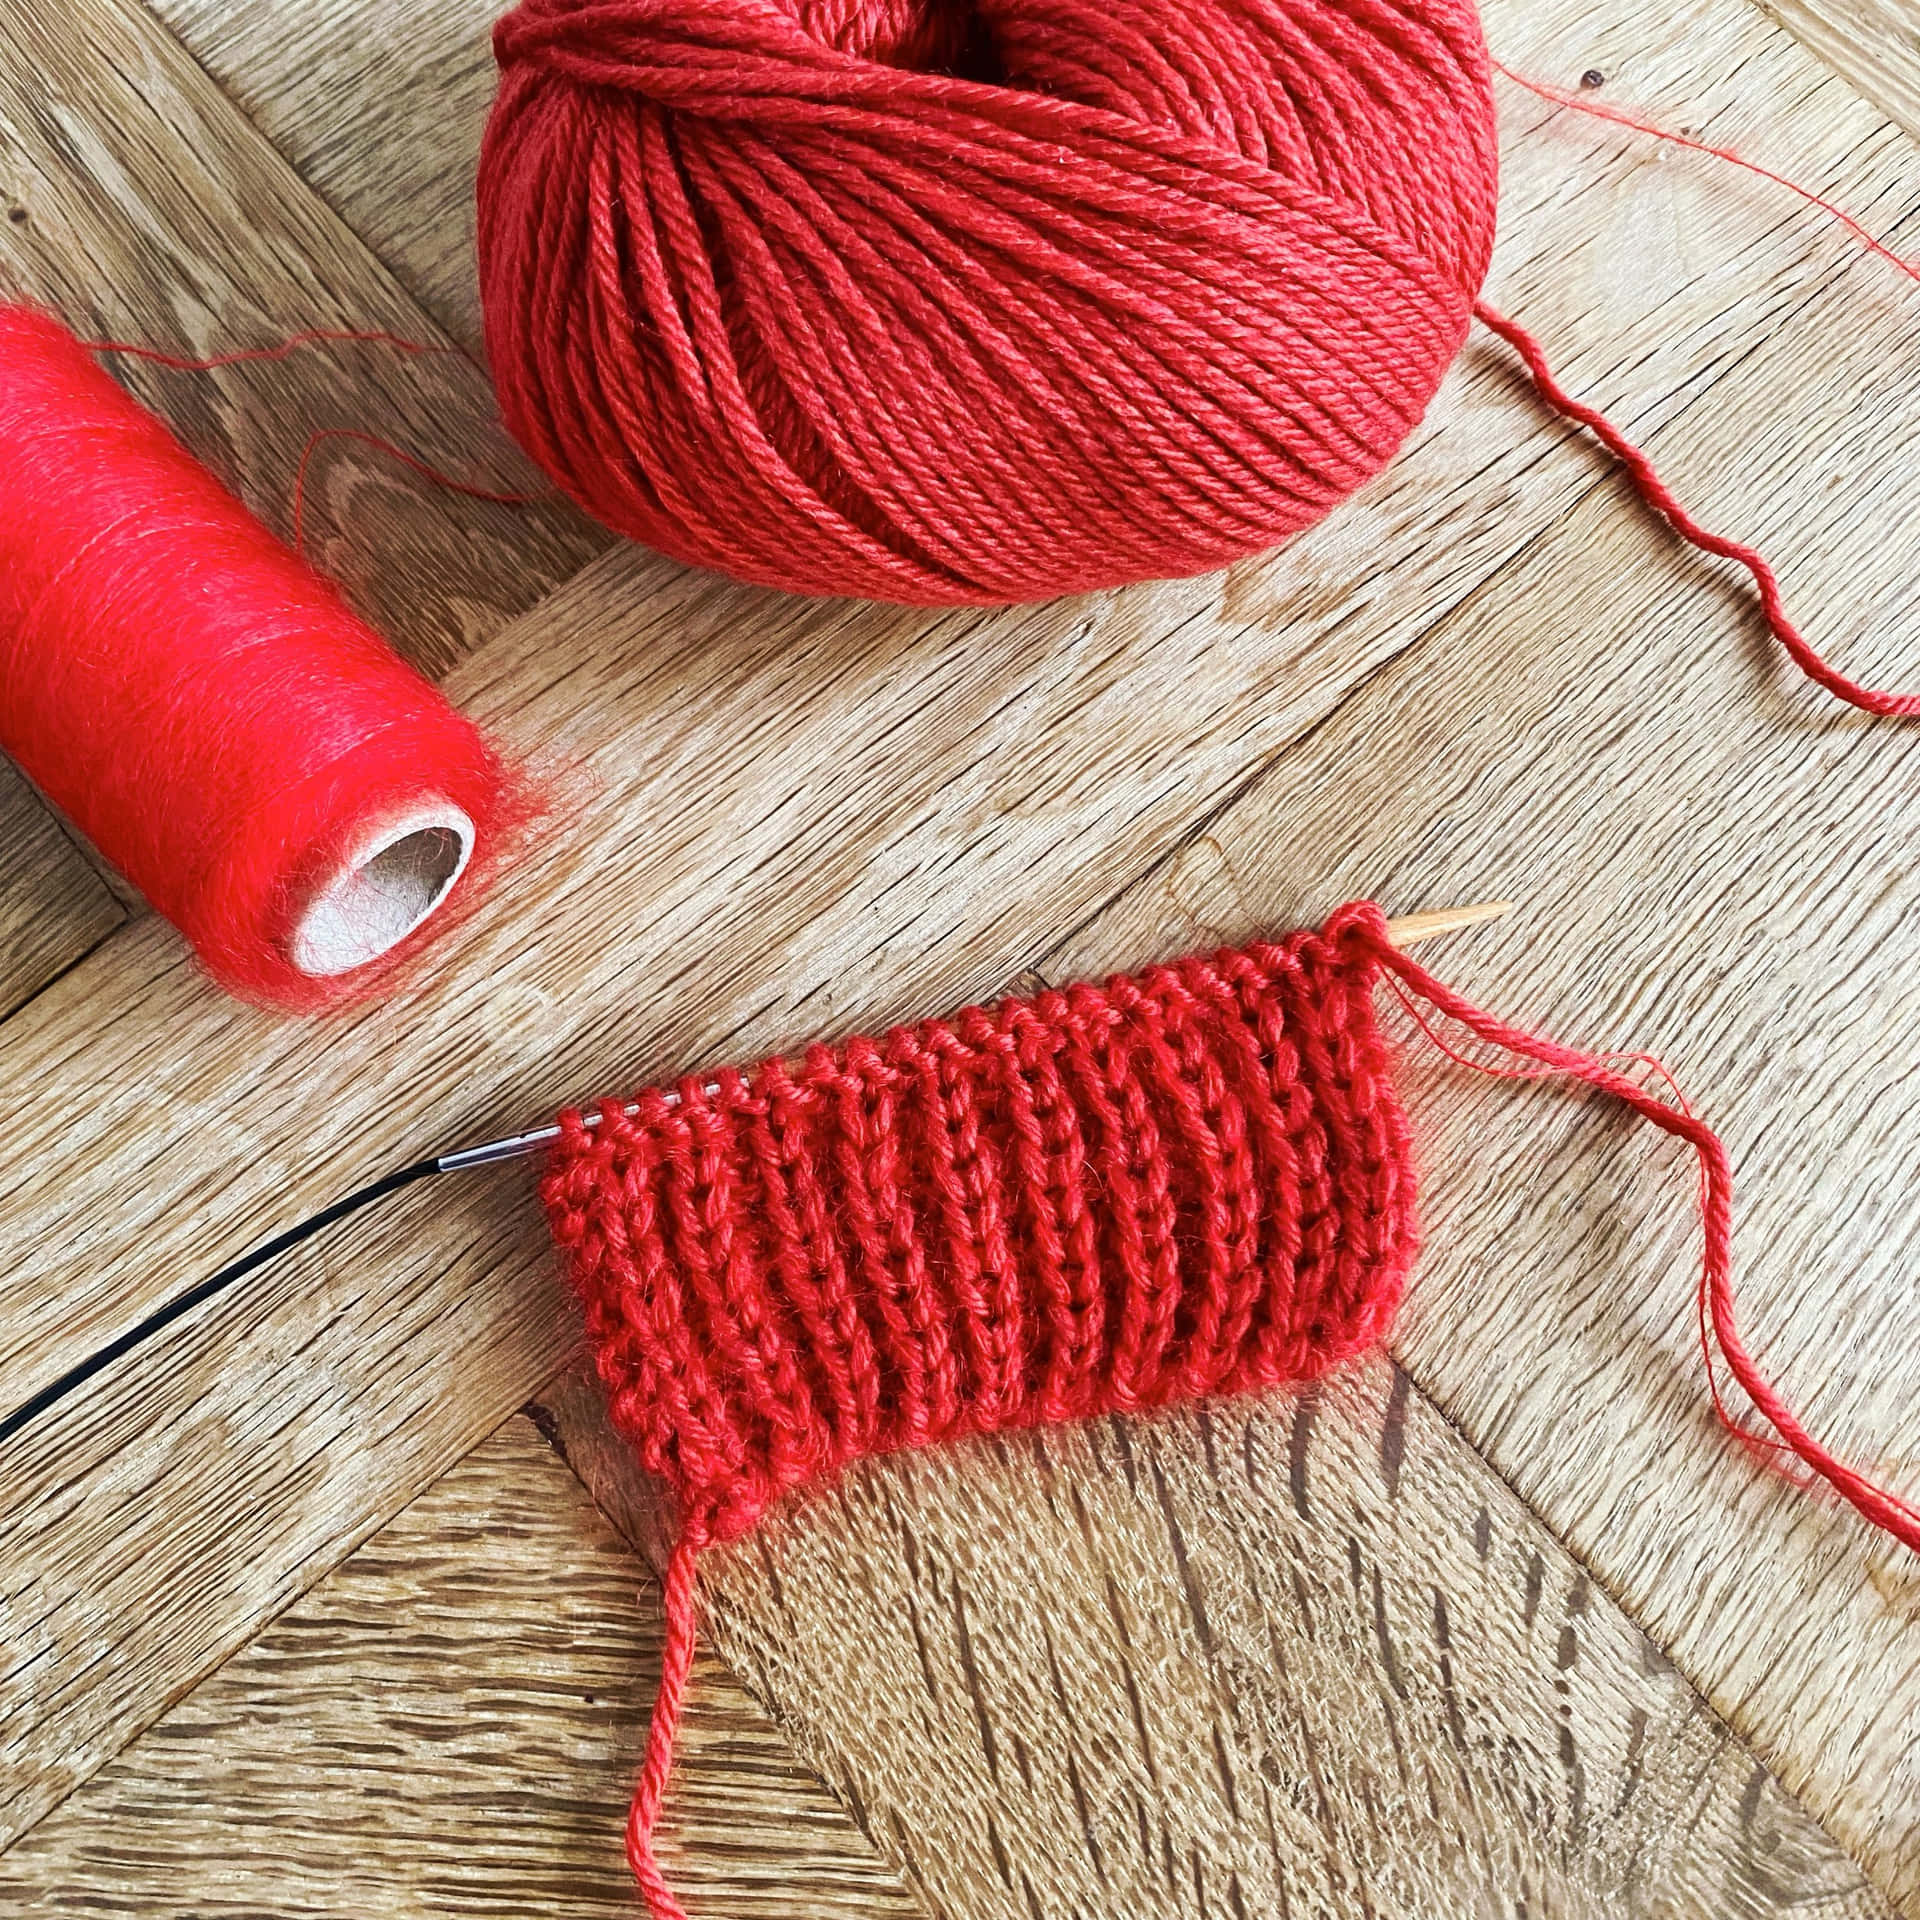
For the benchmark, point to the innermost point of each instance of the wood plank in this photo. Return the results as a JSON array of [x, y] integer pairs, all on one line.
[[1305, 1655], [1873, 44], [784, 818], [54, 908], [448, 1724], [380, 108]]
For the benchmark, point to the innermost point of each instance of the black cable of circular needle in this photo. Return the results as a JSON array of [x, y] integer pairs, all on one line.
[[165, 1316], [516, 1146]]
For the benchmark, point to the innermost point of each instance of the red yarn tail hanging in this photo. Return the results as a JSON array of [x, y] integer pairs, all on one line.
[[676, 1664], [1652, 489], [297, 343], [1885, 1511]]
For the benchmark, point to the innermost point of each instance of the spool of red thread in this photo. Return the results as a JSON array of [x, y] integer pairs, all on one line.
[[298, 801]]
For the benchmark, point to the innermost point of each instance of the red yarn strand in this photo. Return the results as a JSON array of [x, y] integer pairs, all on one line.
[[1880, 1508], [471, 490], [676, 1665], [1539, 1071], [282, 350], [1655, 492], [285, 350], [1652, 489], [1597, 110]]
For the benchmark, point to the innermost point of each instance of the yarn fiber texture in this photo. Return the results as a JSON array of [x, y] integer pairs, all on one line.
[[982, 301], [187, 691], [1196, 1180]]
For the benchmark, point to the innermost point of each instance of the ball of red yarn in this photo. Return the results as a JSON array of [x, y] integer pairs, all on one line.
[[978, 300]]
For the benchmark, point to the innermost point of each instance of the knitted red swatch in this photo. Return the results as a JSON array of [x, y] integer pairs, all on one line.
[[1195, 1180]]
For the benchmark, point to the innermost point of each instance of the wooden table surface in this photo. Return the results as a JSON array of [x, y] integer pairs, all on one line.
[[334, 1599]]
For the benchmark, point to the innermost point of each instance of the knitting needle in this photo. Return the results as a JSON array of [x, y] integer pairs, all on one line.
[[1404, 932], [1407, 931], [1411, 928]]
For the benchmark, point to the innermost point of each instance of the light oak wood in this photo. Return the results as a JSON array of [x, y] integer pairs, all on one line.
[[1406, 931], [54, 907], [1303, 1655], [379, 105], [817, 817], [447, 1724], [1874, 44]]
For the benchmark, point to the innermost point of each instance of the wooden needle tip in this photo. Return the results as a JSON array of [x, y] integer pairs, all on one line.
[[1414, 927]]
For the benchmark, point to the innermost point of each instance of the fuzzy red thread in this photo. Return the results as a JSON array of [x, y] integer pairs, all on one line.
[[1194, 1181], [198, 702]]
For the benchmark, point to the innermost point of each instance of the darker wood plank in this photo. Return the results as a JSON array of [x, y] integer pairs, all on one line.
[[448, 1723], [54, 907], [1299, 1655]]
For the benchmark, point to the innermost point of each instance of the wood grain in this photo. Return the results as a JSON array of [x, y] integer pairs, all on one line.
[[1305, 1655], [54, 908], [1874, 44], [380, 108], [447, 1725], [780, 819]]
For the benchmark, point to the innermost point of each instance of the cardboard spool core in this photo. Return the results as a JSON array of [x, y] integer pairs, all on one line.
[[389, 883]]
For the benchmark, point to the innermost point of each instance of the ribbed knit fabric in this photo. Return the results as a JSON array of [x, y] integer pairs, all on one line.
[[1192, 1181], [1195, 1180]]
